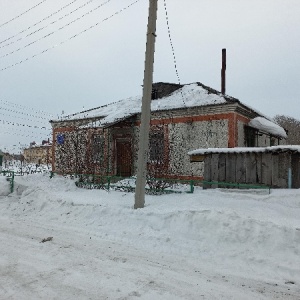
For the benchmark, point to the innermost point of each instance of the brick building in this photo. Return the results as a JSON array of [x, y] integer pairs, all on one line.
[[104, 140]]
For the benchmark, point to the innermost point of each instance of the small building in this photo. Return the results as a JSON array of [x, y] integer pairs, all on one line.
[[39, 153], [104, 140], [276, 167]]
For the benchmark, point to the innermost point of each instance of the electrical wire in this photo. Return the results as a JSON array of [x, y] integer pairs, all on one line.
[[10, 116], [23, 13], [70, 38], [22, 113], [173, 50], [55, 31], [23, 130], [23, 135], [53, 22], [35, 24], [5, 102], [23, 125]]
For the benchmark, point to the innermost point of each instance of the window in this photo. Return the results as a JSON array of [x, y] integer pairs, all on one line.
[[98, 148], [156, 147], [250, 136], [272, 141]]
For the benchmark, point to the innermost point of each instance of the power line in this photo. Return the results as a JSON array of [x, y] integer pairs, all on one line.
[[35, 24], [72, 37], [5, 102], [173, 50], [23, 13], [23, 130], [23, 125], [22, 113], [53, 22], [51, 33], [171, 41], [19, 118], [22, 135]]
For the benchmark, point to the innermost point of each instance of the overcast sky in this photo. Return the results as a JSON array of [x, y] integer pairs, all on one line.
[[106, 63]]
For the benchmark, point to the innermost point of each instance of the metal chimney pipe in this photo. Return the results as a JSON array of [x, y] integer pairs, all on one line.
[[223, 72]]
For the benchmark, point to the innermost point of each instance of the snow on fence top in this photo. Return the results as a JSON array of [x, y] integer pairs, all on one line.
[[265, 125], [283, 148]]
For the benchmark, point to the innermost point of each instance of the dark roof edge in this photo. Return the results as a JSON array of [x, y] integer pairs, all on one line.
[[213, 91]]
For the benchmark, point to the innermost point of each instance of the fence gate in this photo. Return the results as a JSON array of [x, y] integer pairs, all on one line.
[[124, 158]]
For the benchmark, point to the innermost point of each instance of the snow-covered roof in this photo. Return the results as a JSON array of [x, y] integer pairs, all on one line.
[[265, 125], [283, 148], [189, 95]]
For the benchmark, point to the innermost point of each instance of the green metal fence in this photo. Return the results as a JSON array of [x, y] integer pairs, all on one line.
[[155, 186], [10, 177], [218, 184]]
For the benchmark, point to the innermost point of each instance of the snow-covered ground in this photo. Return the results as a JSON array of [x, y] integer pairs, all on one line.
[[213, 244]]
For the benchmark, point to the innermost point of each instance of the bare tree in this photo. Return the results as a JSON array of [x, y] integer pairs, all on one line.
[[292, 126]]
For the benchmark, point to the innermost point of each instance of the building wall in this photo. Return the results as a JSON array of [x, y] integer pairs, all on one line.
[[70, 152], [184, 130], [185, 137]]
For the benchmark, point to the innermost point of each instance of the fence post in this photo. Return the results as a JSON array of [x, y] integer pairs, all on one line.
[[192, 186], [108, 183], [290, 178], [12, 182]]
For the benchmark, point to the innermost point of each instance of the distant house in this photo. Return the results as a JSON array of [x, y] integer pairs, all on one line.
[[104, 140], [38, 153]]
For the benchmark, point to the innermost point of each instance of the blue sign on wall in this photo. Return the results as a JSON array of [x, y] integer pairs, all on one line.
[[60, 139]]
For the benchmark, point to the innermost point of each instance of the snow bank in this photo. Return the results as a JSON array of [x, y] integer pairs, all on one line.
[[4, 186], [243, 236]]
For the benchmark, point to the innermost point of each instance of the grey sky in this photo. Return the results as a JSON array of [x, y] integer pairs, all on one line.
[[106, 63]]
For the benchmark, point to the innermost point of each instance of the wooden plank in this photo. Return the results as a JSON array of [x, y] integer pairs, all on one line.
[[266, 170], [295, 171], [207, 170], [284, 163], [258, 157], [275, 163], [230, 167], [222, 167], [250, 167], [214, 168], [240, 168]]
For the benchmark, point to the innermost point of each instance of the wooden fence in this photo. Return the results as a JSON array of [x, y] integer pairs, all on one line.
[[267, 168]]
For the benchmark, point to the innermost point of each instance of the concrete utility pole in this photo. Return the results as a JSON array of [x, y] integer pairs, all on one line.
[[146, 107]]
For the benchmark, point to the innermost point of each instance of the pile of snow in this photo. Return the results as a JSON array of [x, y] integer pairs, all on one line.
[[213, 244], [24, 167], [4, 186], [265, 125]]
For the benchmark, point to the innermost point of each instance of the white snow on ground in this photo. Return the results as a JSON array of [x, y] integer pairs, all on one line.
[[213, 244]]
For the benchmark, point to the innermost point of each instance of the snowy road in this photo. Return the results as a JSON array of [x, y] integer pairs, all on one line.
[[91, 257], [75, 265]]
